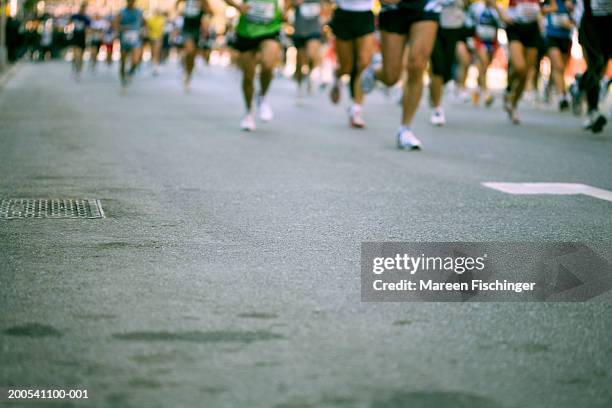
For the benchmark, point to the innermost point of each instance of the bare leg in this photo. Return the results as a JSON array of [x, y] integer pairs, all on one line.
[[248, 63], [364, 47], [422, 37], [77, 59], [301, 61], [189, 58], [463, 58], [270, 57], [344, 53], [436, 86], [392, 47], [557, 63]]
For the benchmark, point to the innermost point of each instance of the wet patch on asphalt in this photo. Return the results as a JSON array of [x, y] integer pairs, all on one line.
[[532, 348], [95, 316], [128, 245], [258, 315], [146, 383], [584, 379], [212, 390], [222, 336], [157, 358], [433, 399], [33, 330]]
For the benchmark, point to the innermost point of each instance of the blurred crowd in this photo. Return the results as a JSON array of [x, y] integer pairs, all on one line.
[[558, 50]]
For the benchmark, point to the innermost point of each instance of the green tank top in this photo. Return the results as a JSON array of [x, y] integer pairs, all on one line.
[[263, 18]]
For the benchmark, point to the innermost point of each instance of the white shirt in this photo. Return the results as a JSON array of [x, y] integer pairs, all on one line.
[[355, 5]]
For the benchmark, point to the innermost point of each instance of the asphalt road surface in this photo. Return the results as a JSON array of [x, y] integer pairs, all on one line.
[[226, 273]]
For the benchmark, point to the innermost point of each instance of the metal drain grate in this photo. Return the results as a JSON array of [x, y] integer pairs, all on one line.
[[64, 208]]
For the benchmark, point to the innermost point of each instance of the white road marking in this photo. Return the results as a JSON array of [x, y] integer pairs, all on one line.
[[551, 188]]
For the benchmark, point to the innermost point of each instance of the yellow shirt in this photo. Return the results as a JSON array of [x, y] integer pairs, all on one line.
[[155, 27]]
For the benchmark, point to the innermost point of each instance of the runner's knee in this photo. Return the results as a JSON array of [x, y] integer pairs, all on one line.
[[416, 65], [391, 75], [520, 69]]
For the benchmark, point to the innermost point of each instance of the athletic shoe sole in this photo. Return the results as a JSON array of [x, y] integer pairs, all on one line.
[[599, 124]]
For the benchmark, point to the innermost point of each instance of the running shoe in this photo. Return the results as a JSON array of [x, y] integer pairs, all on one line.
[[510, 110], [577, 97], [355, 118], [437, 117], [248, 122], [476, 98], [463, 96], [266, 113], [564, 103], [334, 94], [595, 122], [368, 77], [405, 139]]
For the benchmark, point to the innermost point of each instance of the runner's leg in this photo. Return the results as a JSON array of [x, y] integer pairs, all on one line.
[[344, 56], [190, 50], [392, 46], [422, 37], [364, 47], [248, 63], [270, 57], [300, 61]]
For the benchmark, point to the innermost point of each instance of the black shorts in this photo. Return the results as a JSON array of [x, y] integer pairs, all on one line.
[[443, 54], [527, 34], [96, 43], [245, 44], [400, 20], [301, 41], [467, 32], [191, 34], [563, 44], [349, 25], [594, 35], [78, 40]]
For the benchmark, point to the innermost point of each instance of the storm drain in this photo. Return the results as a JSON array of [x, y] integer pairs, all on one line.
[[57, 208]]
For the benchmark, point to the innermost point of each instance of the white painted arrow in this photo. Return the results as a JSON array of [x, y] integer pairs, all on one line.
[[551, 188]]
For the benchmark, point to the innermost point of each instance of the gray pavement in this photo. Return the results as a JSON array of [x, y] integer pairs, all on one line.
[[226, 273]]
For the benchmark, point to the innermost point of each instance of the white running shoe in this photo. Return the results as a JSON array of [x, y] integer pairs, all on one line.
[[405, 139], [437, 117], [355, 118], [248, 122], [265, 110], [463, 96]]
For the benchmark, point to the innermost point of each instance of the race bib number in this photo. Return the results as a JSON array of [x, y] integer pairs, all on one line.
[[310, 10], [192, 8], [131, 37], [559, 20], [486, 33], [79, 25], [261, 12], [528, 11]]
